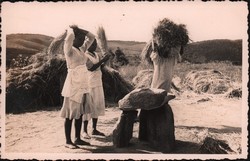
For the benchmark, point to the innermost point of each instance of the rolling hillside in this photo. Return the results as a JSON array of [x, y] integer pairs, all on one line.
[[25, 44], [214, 50], [197, 52]]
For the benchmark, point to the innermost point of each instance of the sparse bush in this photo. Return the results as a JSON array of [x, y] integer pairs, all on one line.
[[120, 59]]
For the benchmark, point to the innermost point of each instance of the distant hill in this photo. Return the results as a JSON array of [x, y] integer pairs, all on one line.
[[25, 44], [197, 52], [214, 50]]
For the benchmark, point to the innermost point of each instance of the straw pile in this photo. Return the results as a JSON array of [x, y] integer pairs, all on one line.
[[166, 35], [36, 85], [115, 87], [56, 46], [208, 81], [143, 79]]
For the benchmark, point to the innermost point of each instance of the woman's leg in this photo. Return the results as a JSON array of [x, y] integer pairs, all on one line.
[[67, 128], [95, 131], [85, 126], [85, 130], [78, 125], [94, 123]]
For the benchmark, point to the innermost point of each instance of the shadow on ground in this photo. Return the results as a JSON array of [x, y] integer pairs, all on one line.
[[225, 129], [142, 147]]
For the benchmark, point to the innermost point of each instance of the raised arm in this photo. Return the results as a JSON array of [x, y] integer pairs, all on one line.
[[154, 57], [95, 63], [67, 47], [88, 41]]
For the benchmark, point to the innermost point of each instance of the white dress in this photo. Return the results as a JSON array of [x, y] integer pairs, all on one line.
[[95, 97], [76, 84]]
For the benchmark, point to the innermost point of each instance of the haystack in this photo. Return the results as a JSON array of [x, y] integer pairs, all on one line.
[[143, 79], [38, 85], [207, 81], [115, 87]]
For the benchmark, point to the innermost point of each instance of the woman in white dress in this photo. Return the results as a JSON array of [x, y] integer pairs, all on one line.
[[76, 84], [95, 98]]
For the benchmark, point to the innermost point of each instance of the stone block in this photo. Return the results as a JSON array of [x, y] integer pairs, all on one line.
[[124, 129], [157, 127]]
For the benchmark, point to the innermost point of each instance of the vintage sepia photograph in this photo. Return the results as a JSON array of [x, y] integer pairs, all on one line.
[[124, 80]]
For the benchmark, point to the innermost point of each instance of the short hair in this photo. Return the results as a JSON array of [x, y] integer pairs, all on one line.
[[93, 47], [80, 35]]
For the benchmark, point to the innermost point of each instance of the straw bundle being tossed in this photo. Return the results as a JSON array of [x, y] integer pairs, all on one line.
[[56, 46], [166, 35], [102, 40]]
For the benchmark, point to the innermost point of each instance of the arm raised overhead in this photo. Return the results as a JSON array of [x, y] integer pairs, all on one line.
[[67, 47]]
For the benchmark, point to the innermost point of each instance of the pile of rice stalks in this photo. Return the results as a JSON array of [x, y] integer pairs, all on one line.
[[166, 35], [115, 87], [143, 79], [208, 81], [36, 85]]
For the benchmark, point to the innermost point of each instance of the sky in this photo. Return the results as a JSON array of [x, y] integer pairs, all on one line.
[[130, 21]]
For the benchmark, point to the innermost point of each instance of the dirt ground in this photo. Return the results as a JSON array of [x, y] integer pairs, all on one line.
[[196, 117]]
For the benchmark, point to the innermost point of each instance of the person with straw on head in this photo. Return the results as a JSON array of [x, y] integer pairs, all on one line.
[[164, 50], [77, 41]]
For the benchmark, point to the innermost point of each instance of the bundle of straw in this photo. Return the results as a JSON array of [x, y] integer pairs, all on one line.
[[146, 51], [102, 40], [57, 44], [166, 35]]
